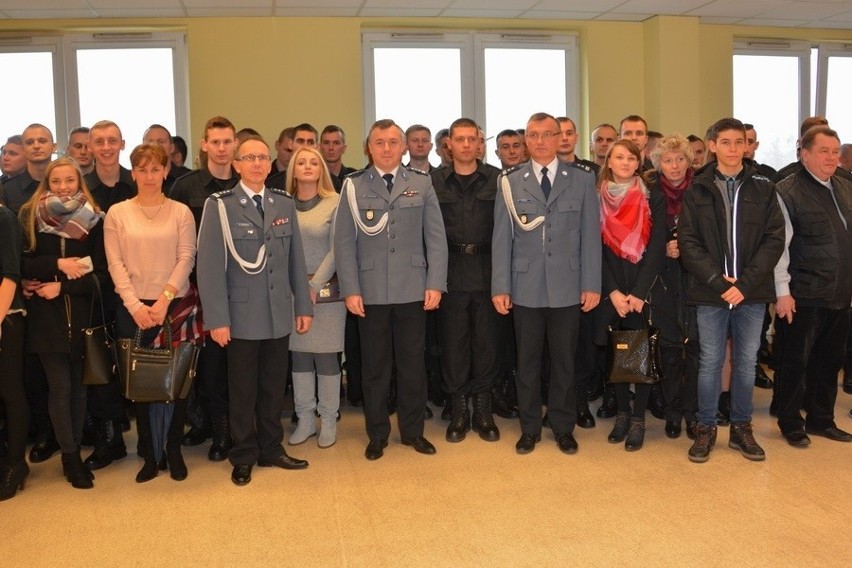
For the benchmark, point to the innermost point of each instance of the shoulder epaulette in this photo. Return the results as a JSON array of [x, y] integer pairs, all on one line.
[[761, 177], [357, 173], [279, 191], [416, 171], [513, 169], [223, 193], [580, 165]]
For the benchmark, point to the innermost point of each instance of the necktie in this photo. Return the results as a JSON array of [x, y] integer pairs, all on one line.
[[388, 181], [258, 202], [545, 183], [730, 183]]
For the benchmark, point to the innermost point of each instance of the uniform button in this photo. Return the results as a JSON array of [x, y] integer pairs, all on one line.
[[391, 207], [548, 210], [548, 254], [548, 225], [393, 222], [393, 249], [268, 238], [393, 236], [271, 287], [549, 239]]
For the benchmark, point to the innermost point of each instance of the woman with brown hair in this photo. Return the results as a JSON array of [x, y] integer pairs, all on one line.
[[63, 255], [150, 246], [633, 231]]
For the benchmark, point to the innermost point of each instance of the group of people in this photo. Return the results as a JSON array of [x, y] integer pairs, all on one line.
[[462, 275]]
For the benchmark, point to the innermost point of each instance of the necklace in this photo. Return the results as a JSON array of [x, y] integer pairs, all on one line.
[[308, 204], [152, 217]]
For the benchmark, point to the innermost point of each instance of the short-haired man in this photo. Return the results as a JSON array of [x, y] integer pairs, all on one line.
[[38, 149], [752, 144], [211, 384], [283, 149], [653, 138], [469, 328], [78, 148], [160, 135], [510, 148], [602, 138], [442, 147], [391, 255], [635, 129], [332, 147], [252, 306], [699, 151], [179, 156], [568, 144], [730, 235], [418, 138], [794, 167], [546, 252], [846, 157], [110, 183], [814, 311], [304, 135], [13, 160]]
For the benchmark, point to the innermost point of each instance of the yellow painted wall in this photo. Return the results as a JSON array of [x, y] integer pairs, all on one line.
[[271, 72]]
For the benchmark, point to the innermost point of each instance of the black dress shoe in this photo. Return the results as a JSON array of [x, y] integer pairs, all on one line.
[[375, 449], [420, 444], [585, 418], [761, 379], [832, 433], [796, 438], [283, 461], [241, 474], [526, 443], [148, 471], [42, 450], [673, 429], [566, 444], [502, 408], [196, 436]]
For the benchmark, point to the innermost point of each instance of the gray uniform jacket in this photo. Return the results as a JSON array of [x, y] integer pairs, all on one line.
[[255, 306], [409, 256], [550, 265]]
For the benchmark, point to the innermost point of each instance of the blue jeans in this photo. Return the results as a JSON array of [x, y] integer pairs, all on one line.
[[744, 324]]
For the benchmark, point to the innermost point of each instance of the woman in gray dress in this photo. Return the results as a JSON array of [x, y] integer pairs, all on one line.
[[316, 371]]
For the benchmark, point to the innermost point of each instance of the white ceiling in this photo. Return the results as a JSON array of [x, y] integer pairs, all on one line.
[[785, 13]]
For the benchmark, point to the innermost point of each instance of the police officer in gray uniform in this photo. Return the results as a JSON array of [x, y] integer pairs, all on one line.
[[391, 253], [251, 277], [546, 255]]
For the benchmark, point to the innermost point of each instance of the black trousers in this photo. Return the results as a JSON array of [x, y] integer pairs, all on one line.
[[257, 374], [12, 391], [470, 339], [814, 352], [35, 383], [212, 380], [560, 327], [679, 367], [393, 333], [66, 399]]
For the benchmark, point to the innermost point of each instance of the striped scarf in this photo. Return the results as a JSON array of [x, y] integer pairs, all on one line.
[[186, 320]]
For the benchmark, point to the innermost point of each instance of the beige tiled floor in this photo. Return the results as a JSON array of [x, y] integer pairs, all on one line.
[[473, 504]]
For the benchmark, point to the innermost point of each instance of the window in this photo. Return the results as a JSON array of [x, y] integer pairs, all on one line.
[[133, 79], [807, 80], [464, 74]]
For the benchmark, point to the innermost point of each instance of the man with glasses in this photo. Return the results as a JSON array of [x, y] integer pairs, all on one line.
[[252, 306], [546, 252], [391, 254]]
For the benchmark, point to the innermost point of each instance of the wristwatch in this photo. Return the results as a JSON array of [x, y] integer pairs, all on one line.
[[169, 296]]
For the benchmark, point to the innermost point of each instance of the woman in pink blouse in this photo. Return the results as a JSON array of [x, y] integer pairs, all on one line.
[[150, 249]]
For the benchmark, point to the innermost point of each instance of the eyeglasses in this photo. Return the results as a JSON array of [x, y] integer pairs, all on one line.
[[252, 158], [535, 136]]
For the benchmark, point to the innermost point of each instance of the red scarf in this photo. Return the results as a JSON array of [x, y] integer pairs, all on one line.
[[625, 218], [674, 196]]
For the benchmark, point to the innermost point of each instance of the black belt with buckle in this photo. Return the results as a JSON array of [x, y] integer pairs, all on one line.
[[471, 249]]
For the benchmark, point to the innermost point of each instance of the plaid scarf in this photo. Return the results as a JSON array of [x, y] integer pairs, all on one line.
[[625, 218], [71, 217], [186, 321]]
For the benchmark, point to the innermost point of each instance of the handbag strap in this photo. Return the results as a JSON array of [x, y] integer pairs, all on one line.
[[100, 297], [167, 327]]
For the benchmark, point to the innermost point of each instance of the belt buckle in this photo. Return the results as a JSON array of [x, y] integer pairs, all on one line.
[[470, 249]]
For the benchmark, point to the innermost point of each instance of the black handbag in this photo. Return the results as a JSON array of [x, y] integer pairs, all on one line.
[[634, 356], [330, 292], [156, 375], [99, 356]]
